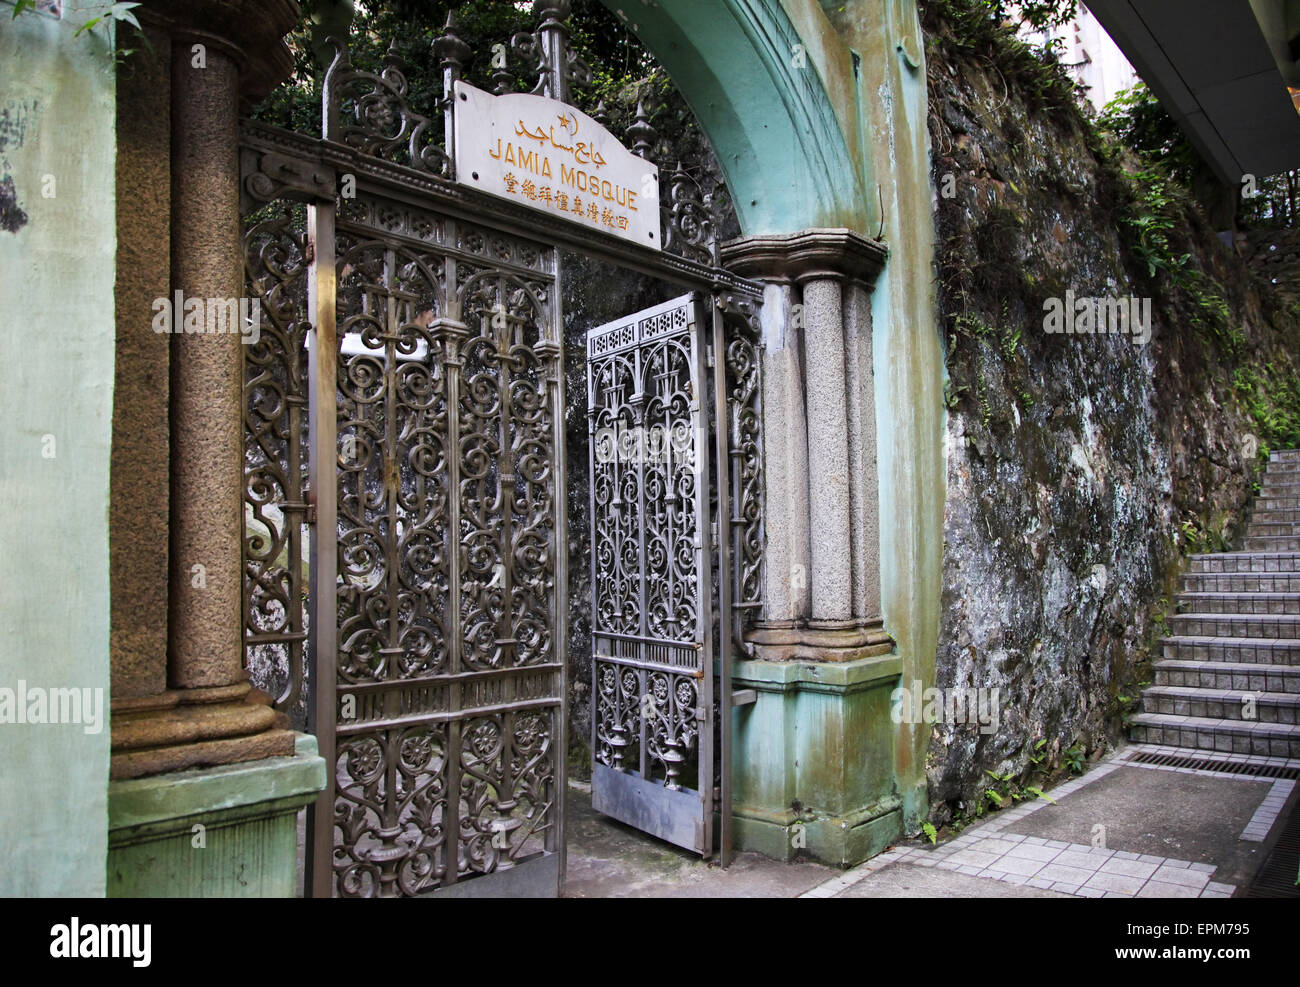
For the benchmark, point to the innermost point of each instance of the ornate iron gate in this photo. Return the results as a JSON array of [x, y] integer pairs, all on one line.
[[404, 422], [652, 736]]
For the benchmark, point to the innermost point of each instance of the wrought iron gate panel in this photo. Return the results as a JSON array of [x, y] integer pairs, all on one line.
[[652, 665], [449, 685], [275, 462]]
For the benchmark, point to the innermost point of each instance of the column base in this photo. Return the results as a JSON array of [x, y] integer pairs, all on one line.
[[221, 832], [820, 640], [193, 728], [813, 768], [839, 841]]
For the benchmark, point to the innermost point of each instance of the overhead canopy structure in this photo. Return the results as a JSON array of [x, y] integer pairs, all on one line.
[[1222, 71]]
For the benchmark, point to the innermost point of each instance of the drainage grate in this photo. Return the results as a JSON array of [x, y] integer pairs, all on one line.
[[1283, 771], [1280, 875]]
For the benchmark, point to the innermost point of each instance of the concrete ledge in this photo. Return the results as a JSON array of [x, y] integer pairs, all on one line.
[[827, 677], [227, 831]]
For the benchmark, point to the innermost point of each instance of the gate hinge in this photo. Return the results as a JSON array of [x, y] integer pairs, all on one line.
[[708, 356], [309, 251], [309, 496], [713, 536], [701, 714]]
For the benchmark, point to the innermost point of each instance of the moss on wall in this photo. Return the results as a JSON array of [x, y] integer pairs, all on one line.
[[1081, 468]]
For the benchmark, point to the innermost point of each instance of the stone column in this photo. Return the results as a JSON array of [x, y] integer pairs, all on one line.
[[835, 503], [205, 645], [221, 53], [785, 463], [864, 493], [828, 452], [138, 494]]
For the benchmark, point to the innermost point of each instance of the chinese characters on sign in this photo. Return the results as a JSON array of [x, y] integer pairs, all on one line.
[[547, 155]]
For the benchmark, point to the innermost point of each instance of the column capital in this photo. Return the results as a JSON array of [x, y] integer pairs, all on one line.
[[249, 31], [807, 255]]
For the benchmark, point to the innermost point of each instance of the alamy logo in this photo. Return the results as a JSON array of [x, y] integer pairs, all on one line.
[[1098, 316], [917, 705], [75, 941], [638, 444], [209, 315], [36, 704]]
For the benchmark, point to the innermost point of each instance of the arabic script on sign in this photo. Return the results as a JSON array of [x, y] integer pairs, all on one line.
[[546, 155]]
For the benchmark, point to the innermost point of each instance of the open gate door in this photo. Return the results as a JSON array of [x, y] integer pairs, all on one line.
[[653, 679]]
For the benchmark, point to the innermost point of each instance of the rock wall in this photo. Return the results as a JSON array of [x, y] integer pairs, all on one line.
[[1081, 468]]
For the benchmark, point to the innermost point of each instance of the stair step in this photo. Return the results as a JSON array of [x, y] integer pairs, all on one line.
[[1233, 650], [1260, 529], [1237, 582], [1255, 677], [1274, 625], [1222, 704], [1277, 514], [1240, 603], [1271, 543], [1204, 733], [1245, 562], [1263, 503]]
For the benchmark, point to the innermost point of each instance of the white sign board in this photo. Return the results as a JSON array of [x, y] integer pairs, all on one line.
[[546, 155]]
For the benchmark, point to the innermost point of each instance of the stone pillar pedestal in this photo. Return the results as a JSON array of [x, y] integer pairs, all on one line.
[[813, 769], [183, 711]]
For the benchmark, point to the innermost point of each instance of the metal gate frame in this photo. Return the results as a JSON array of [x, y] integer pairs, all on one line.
[[283, 165]]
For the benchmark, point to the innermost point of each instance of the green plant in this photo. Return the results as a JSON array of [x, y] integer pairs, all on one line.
[[930, 832], [1039, 752], [1075, 757], [1011, 787]]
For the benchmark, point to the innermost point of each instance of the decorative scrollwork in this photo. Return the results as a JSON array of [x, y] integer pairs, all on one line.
[[380, 119], [390, 812], [745, 414], [688, 219], [275, 463], [447, 394]]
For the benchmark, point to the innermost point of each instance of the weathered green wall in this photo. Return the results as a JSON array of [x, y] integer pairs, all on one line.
[[56, 376], [891, 101]]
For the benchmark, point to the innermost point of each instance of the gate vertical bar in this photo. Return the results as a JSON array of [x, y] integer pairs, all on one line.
[[455, 362], [643, 598], [700, 335], [724, 521], [322, 355], [560, 598]]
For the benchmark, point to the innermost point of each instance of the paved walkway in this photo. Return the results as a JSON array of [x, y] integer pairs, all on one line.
[[1126, 829]]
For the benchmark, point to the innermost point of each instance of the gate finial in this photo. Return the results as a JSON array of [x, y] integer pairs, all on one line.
[[641, 133]]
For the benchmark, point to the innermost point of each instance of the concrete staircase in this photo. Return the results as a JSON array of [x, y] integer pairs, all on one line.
[[1236, 637]]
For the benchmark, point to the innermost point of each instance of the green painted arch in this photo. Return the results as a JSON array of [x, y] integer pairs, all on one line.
[[765, 106]]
